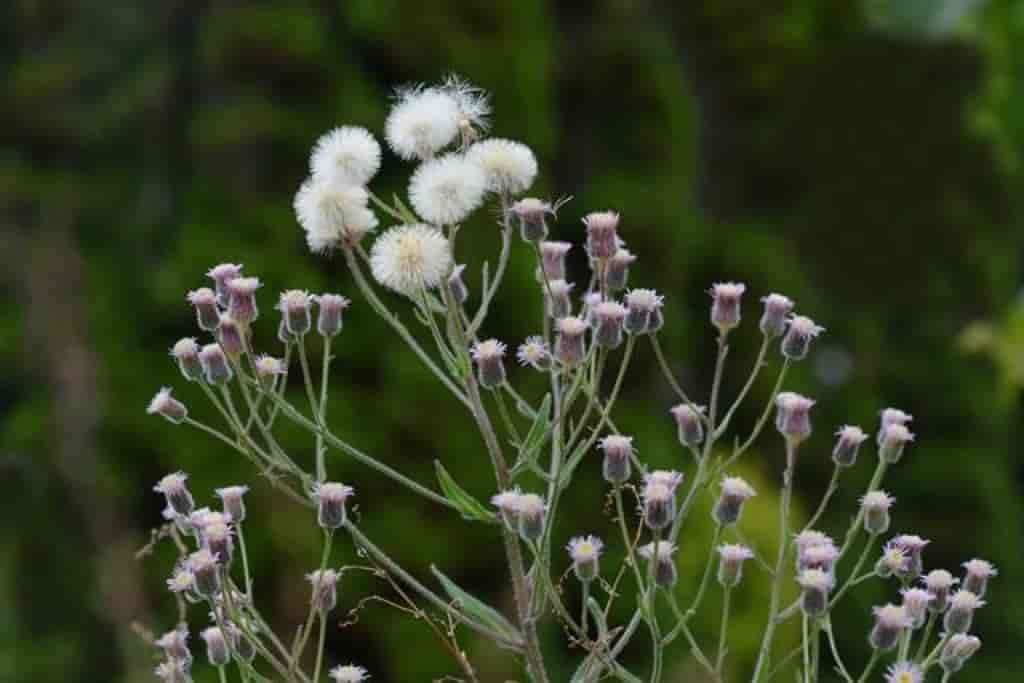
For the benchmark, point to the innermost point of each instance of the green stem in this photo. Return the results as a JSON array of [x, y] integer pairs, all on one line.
[[835, 650], [851, 534], [320, 647], [245, 560], [932, 618], [723, 631], [875, 656], [321, 466], [852, 579], [667, 371], [833, 486], [758, 364]]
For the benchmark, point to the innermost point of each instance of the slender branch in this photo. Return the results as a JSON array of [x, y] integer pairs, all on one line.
[[833, 486]]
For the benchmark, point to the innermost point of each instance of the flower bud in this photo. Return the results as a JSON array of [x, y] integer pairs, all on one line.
[[553, 259], [904, 672], [896, 436], [939, 583], [215, 364], [532, 214], [665, 574], [891, 416], [507, 503], [268, 369], [331, 497], [798, 337], [735, 491], [217, 650], [329, 322], [295, 306], [875, 505], [325, 589], [958, 649], [531, 509], [848, 441], [916, 602], [569, 342], [810, 538], [659, 498], [175, 646], [456, 286], [815, 585], [725, 306], [641, 304], [602, 234], [961, 611], [186, 353], [203, 565], [204, 517], [689, 423], [490, 368], [609, 316], [776, 314], [556, 297], [348, 674], [617, 272], [821, 557], [534, 352], [230, 336], [617, 451], [585, 552], [167, 406], [231, 498], [243, 646], [730, 564], [173, 671], [793, 416], [176, 492], [222, 275], [913, 546], [977, 574], [890, 621], [242, 299], [590, 302], [205, 303], [217, 539]]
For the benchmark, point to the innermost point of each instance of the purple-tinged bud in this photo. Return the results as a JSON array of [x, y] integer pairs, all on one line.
[[961, 611], [798, 337], [895, 438], [939, 583], [490, 367], [913, 546], [602, 234], [222, 275], [730, 564], [890, 621], [204, 516], [725, 306], [793, 417], [205, 303], [325, 589], [186, 353], [641, 305], [821, 557], [531, 509], [167, 406], [348, 673], [556, 297], [735, 492], [329, 322], [569, 342], [618, 450], [665, 574], [175, 645], [243, 646], [232, 499], [585, 553], [590, 302], [534, 352], [609, 316], [268, 369], [532, 215], [690, 424], [203, 565], [230, 336], [810, 538], [891, 416], [848, 441], [216, 368], [657, 318], [217, 539], [916, 602], [958, 649], [331, 497], [553, 259], [976, 576], [456, 286], [659, 498], [904, 672], [173, 671], [875, 505], [507, 503], [176, 492], [295, 306], [815, 585], [217, 650], [776, 315], [242, 299], [616, 274]]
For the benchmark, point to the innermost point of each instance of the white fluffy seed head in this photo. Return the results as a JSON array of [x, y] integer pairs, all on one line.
[[422, 122], [348, 155], [508, 166], [473, 103], [444, 191], [408, 258], [332, 215]]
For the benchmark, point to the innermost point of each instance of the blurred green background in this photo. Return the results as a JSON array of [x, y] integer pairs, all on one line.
[[864, 158]]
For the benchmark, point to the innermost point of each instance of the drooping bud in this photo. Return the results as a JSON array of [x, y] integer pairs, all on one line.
[[230, 336], [725, 306], [531, 509], [556, 297], [215, 364], [234, 505], [176, 492], [331, 497], [939, 583], [916, 602], [793, 417], [913, 546], [618, 450], [962, 605], [186, 353], [958, 649], [665, 574], [659, 498], [689, 423], [977, 574], [875, 505], [534, 352], [815, 585], [569, 342], [295, 306], [205, 303], [641, 304], [609, 316], [532, 215], [268, 369], [242, 299], [891, 416], [329, 322], [896, 436], [203, 565], [616, 274], [456, 286], [890, 621], [776, 315], [848, 441], [222, 275], [325, 589], [166, 405], [553, 259], [602, 234], [730, 564], [727, 509], [490, 367], [507, 503], [217, 650], [585, 553], [798, 337]]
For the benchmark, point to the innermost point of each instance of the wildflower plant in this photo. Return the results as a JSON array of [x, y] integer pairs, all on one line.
[[586, 334]]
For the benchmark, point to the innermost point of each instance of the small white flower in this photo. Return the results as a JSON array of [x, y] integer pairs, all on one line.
[[585, 548], [332, 214], [349, 155], [422, 122], [446, 190], [181, 580], [509, 166], [349, 673], [904, 672], [410, 257], [533, 352]]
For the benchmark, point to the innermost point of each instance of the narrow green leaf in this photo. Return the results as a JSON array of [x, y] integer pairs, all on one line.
[[470, 507], [473, 608], [538, 430]]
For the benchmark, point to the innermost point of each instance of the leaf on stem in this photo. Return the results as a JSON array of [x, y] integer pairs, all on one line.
[[467, 505], [480, 612]]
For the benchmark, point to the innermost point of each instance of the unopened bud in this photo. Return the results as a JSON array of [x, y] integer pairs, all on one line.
[[776, 314], [891, 416], [793, 417], [962, 605], [186, 353], [848, 441], [331, 497], [534, 352], [665, 574], [175, 645], [590, 302], [659, 498], [456, 286], [242, 299], [725, 306], [329, 322], [939, 583], [727, 509], [798, 337], [641, 304], [203, 565], [166, 405], [230, 336], [875, 505], [896, 436], [821, 557], [295, 306], [689, 424], [507, 503], [217, 650], [205, 302], [616, 275], [217, 538], [556, 296], [585, 553], [815, 585], [490, 367], [916, 602], [569, 342], [176, 492], [618, 450], [730, 564], [602, 234], [531, 509], [977, 574], [268, 369], [532, 215], [890, 621], [215, 364], [553, 259], [232, 499], [173, 671], [222, 275], [243, 646], [609, 316], [958, 649], [325, 589]]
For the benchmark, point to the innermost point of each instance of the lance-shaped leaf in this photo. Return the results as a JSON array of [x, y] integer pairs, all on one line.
[[475, 609], [471, 508]]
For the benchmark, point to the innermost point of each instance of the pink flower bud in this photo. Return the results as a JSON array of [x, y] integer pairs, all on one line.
[[325, 589], [532, 213], [618, 450], [331, 498], [641, 305], [456, 286], [205, 302], [242, 299], [609, 316], [230, 336], [735, 492], [186, 353], [725, 305], [216, 368], [848, 441], [556, 296], [217, 650], [616, 273], [329, 322], [665, 574], [295, 306], [730, 564], [222, 275], [231, 498], [776, 313], [798, 337], [169, 407], [689, 424], [602, 237], [488, 356], [176, 492], [793, 417], [569, 347], [553, 259]]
